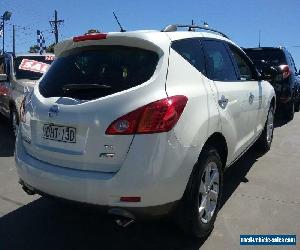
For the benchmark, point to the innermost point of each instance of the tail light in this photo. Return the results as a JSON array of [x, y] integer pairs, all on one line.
[[92, 36], [156, 117], [130, 198], [286, 72]]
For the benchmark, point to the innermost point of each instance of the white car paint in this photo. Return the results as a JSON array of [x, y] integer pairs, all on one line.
[[155, 167]]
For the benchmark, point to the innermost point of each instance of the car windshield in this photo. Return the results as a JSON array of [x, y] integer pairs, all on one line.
[[273, 57], [117, 67], [31, 67]]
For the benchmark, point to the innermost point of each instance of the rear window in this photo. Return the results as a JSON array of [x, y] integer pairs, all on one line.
[[273, 57], [98, 71]]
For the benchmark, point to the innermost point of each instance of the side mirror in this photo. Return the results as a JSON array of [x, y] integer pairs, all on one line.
[[299, 72], [3, 77]]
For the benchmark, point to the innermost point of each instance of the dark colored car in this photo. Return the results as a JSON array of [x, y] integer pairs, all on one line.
[[287, 88]]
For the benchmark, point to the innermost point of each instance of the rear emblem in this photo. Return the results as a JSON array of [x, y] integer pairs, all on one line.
[[53, 111]]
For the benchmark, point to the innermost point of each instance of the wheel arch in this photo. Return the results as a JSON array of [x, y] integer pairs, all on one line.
[[218, 141]]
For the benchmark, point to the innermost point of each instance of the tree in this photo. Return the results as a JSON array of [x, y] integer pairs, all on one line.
[[91, 31], [50, 48], [36, 48]]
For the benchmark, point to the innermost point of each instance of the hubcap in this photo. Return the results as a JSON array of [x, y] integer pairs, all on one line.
[[209, 192], [270, 126]]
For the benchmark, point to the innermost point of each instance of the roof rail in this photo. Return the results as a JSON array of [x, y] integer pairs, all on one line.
[[174, 27]]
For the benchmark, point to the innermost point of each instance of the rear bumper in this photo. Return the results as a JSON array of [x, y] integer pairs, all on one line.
[[133, 212], [158, 184]]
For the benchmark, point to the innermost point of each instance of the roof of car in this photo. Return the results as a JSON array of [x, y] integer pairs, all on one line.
[[161, 39], [28, 54], [33, 54]]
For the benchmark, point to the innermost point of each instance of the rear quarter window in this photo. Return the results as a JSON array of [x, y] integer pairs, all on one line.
[[118, 67], [190, 49]]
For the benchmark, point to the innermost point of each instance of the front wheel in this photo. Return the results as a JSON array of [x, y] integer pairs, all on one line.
[[201, 200], [266, 138]]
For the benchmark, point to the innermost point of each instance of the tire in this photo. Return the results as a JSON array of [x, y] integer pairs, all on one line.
[[290, 110], [14, 121], [265, 140], [191, 216], [297, 106]]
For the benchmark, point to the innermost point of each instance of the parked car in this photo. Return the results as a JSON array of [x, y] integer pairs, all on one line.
[[287, 88], [18, 74], [144, 123]]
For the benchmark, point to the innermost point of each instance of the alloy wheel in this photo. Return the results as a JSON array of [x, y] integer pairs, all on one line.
[[208, 192], [270, 126]]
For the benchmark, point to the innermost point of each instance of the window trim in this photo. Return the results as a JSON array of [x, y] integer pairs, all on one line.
[[246, 58]]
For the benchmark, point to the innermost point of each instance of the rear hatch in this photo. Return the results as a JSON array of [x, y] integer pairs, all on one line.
[[263, 57], [91, 84]]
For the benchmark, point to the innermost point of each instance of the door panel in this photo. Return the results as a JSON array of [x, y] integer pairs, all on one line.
[[232, 96], [235, 112], [247, 75]]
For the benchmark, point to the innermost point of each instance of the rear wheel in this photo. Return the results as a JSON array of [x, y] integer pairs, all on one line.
[[200, 203], [290, 110], [297, 106], [266, 138]]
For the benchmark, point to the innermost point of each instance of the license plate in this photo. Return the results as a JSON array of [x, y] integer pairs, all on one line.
[[59, 133]]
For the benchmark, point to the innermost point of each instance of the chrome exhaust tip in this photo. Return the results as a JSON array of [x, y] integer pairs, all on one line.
[[123, 218]]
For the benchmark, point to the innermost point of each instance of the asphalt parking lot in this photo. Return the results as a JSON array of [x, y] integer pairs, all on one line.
[[261, 196]]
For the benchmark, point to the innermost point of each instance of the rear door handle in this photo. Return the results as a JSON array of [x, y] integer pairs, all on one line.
[[223, 102]]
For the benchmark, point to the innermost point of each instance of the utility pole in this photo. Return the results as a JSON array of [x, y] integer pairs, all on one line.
[[259, 39], [55, 23], [5, 17], [3, 34], [14, 40]]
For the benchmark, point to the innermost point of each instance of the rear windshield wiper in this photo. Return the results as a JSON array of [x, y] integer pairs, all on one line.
[[70, 87]]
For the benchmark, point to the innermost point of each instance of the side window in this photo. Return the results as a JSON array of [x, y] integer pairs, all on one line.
[[243, 64], [218, 62], [190, 50]]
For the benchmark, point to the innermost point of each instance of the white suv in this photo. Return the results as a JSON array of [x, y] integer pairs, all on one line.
[[143, 123]]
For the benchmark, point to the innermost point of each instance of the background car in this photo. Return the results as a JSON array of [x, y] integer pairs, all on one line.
[[288, 88], [18, 75], [144, 123]]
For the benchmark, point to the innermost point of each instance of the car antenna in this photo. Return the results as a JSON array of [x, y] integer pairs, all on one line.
[[121, 28], [190, 28]]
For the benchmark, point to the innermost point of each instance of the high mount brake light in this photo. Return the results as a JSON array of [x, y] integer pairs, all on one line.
[[87, 37], [286, 72], [156, 117]]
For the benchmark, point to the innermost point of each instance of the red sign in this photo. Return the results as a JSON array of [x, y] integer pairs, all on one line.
[[49, 58], [35, 66]]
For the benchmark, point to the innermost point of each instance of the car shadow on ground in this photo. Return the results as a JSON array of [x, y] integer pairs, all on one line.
[[7, 140], [45, 224]]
